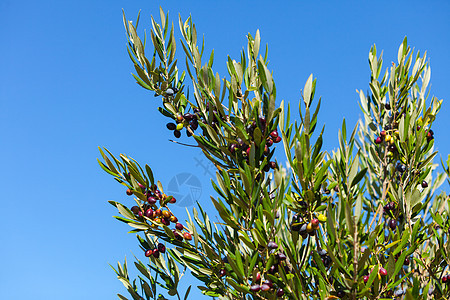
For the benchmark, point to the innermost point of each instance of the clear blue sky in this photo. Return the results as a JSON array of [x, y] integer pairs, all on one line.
[[66, 88]]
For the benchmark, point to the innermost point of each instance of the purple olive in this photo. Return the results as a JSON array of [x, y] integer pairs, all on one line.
[[281, 256], [280, 292], [406, 261], [135, 210], [393, 224], [255, 288], [151, 200], [171, 126], [155, 253], [149, 213], [161, 248], [268, 282], [265, 287], [272, 245]]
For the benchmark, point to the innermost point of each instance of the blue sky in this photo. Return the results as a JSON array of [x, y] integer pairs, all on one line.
[[66, 88]]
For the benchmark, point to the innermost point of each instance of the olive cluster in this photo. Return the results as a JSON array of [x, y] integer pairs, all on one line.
[[279, 260], [156, 251], [381, 272], [389, 138], [159, 215], [430, 135], [406, 262], [260, 285], [153, 195], [242, 149], [304, 226], [391, 210], [326, 260], [188, 121], [214, 120], [266, 286], [445, 279], [165, 217]]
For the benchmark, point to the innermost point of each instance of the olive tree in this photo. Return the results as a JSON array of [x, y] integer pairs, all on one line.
[[364, 221]]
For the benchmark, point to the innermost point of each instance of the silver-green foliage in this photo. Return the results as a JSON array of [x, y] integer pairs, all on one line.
[[358, 192]]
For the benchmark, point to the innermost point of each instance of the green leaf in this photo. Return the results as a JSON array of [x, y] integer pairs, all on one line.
[[337, 261], [402, 50], [224, 214], [271, 108], [105, 168], [108, 162], [141, 82], [438, 219], [361, 263], [270, 262], [358, 177], [142, 74], [239, 262], [187, 292], [258, 136], [409, 295], [353, 170], [142, 226], [242, 289], [321, 175], [405, 238], [307, 91], [256, 44], [125, 211], [390, 268], [150, 174], [265, 76], [330, 227], [234, 265], [349, 219], [398, 264]]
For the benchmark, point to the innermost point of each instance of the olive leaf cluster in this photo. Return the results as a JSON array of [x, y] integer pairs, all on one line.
[[362, 222]]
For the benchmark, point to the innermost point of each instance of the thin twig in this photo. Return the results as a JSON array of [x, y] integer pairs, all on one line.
[[195, 146]]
